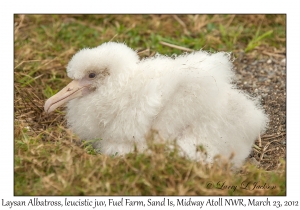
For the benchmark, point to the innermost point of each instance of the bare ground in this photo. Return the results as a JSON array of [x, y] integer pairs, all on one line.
[[265, 78]]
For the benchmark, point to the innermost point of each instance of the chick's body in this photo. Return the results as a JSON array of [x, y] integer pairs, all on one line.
[[190, 98]]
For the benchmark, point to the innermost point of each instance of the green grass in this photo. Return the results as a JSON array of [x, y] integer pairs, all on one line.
[[256, 41], [62, 168], [48, 161]]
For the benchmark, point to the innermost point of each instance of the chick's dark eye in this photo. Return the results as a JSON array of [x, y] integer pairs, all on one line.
[[92, 75]]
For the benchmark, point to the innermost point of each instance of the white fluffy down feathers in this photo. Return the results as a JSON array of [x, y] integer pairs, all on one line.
[[190, 98]]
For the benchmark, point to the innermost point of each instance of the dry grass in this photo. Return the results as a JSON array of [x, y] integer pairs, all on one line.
[[50, 161]]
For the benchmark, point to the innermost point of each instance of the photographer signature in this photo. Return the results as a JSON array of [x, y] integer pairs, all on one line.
[[245, 185]]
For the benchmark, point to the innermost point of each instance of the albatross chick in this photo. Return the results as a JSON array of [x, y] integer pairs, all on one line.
[[118, 98]]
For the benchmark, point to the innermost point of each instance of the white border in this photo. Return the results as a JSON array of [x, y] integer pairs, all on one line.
[[8, 8]]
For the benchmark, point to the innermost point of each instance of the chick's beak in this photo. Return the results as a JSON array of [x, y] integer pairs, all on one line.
[[73, 90]]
